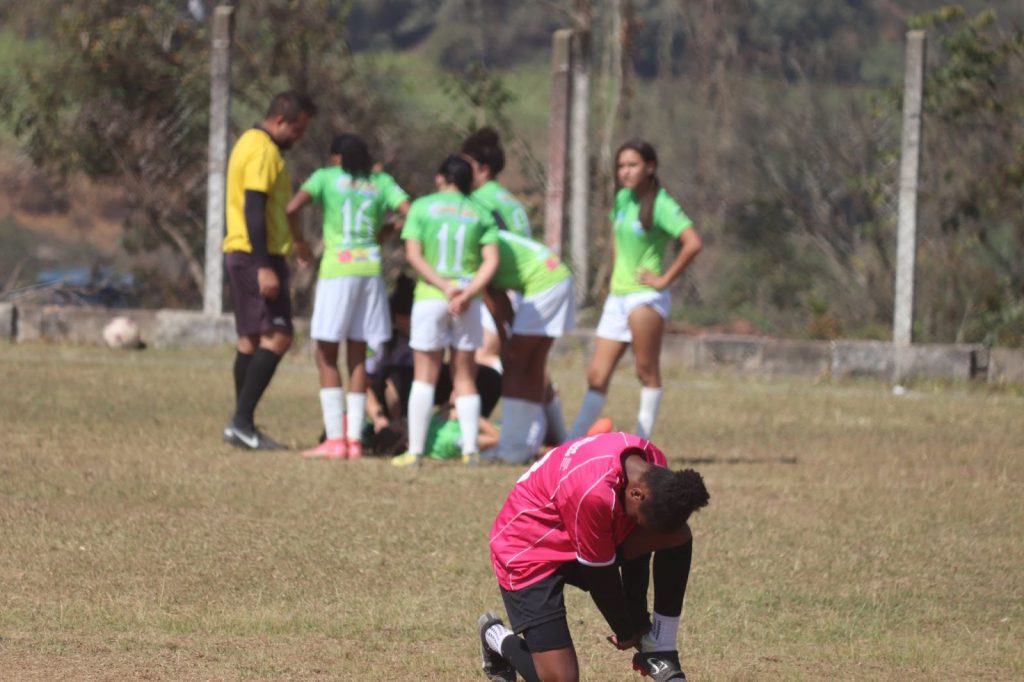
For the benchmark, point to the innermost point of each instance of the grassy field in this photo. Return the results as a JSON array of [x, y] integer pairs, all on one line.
[[851, 534]]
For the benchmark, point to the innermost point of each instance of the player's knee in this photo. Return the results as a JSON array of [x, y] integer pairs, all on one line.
[[597, 379]]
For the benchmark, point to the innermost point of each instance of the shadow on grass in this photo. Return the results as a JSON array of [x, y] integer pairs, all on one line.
[[735, 460]]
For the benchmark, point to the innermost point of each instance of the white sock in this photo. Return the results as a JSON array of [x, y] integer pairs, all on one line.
[[556, 420], [593, 403], [421, 402], [468, 408], [495, 635], [662, 635], [650, 404], [331, 404], [356, 407], [522, 423]]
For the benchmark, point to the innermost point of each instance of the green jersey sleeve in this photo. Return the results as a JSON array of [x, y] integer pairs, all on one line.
[[315, 185], [669, 216], [413, 228], [392, 194]]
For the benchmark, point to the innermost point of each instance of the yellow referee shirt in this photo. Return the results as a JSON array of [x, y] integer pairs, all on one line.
[[256, 164]]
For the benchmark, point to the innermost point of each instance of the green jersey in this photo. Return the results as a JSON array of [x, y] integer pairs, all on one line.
[[526, 265], [453, 229], [354, 209], [508, 212], [638, 249]]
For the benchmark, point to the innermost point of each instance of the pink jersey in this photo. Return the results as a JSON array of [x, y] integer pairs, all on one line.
[[567, 507]]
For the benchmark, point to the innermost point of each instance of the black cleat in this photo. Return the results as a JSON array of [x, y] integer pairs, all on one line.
[[250, 438], [496, 668], [660, 666]]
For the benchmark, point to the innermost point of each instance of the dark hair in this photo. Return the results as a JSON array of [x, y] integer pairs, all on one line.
[[457, 171], [355, 155], [649, 192], [290, 104], [400, 299], [674, 495], [484, 147]]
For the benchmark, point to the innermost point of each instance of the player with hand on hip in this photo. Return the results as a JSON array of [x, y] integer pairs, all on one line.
[[645, 220]]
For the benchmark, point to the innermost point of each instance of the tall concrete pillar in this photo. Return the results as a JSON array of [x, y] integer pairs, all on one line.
[[220, 108]]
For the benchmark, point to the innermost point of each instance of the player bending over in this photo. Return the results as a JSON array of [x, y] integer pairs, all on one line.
[[590, 514]]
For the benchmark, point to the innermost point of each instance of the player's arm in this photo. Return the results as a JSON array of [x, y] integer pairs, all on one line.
[[690, 246], [414, 256], [484, 274], [292, 210], [396, 223], [256, 224], [500, 307], [605, 586]]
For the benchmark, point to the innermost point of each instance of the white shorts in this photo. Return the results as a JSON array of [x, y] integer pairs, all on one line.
[[549, 313], [614, 323], [351, 308], [434, 329]]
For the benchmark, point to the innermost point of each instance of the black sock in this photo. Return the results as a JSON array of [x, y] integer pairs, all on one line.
[[261, 371], [636, 578], [515, 651], [671, 573], [242, 361]]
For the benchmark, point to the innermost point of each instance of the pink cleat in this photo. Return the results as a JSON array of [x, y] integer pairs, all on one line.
[[355, 449], [330, 449]]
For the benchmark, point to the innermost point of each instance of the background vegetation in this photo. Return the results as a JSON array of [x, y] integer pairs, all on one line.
[[777, 124]]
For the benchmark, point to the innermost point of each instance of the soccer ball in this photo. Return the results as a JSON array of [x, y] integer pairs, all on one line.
[[121, 332]]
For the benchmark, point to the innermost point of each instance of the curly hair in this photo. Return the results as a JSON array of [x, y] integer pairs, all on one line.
[[674, 495], [484, 147]]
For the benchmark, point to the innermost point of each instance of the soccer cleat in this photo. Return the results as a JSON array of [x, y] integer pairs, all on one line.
[[355, 449], [471, 459], [495, 667], [333, 448], [660, 666], [407, 459], [250, 438], [600, 425]]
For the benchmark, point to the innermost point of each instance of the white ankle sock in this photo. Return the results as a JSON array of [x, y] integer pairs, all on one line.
[[421, 402], [663, 633], [650, 405], [556, 420], [331, 404], [521, 423], [495, 635], [468, 408], [356, 407], [593, 403]]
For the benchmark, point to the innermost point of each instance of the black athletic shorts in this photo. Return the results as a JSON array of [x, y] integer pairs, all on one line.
[[538, 611], [255, 315]]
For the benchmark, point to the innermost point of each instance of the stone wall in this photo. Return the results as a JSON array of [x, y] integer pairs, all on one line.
[[715, 352]]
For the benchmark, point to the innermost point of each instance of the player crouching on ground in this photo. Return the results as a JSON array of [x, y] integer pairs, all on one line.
[[590, 514]]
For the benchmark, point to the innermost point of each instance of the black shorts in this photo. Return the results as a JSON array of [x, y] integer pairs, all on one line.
[[255, 315], [538, 611]]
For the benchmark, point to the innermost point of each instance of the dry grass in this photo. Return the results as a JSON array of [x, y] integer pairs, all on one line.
[[850, 535]]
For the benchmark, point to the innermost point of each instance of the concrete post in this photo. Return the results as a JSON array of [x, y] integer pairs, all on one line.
[[558, 136], [580, 162], [903, 315], [906, 246], [220, 107]]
